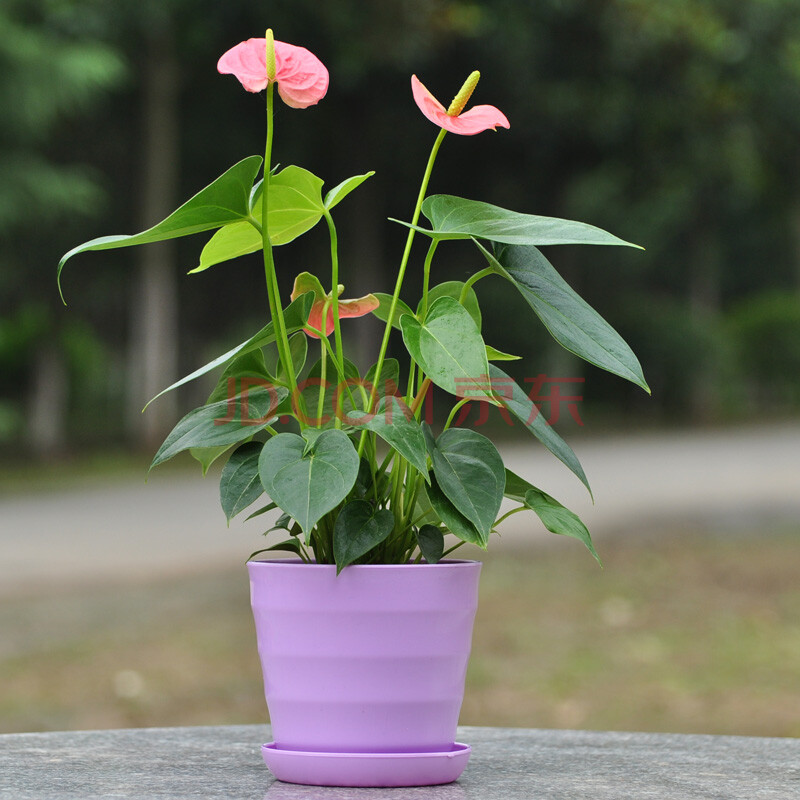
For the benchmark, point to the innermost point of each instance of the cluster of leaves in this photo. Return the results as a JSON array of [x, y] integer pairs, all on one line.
[[363, 480]]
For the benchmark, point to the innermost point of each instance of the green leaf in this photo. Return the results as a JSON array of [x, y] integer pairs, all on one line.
[[206, 456], [289, 545], [458, 218], [498, 355], [240, 485], [470, 472], [250, 367], [555, 517], [451, 517], [295, 206], [222, 202], [396, 425], [390, 377], [511, 396], [430, 541], [295, 315], [211, 425], [307, 485], [572, 322], [359, 528], [262, 510], [338, 193], [382, 311], [449, 349], [453, 289], [298, 349]]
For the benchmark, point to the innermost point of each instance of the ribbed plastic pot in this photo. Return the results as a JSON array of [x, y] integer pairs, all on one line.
[[370, 661]]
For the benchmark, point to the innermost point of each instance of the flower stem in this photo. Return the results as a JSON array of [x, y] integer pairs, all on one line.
[[273, 291], [401, 273], [473, 280], [337, 327]]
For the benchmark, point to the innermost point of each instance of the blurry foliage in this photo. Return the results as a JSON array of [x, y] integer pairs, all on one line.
[[675, 125], [765, 332]]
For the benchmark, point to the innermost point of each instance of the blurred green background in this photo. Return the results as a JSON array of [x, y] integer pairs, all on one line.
[[672, 124]]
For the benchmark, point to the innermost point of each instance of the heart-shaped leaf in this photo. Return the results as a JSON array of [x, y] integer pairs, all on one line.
[[240, 485], [555, 517], [572, 322], [396, 425], [451, 517], [385, 306], [295, 206], [222, 202], [449, 348], [308, 481], [222, 423], [453, 289], [430, 540], [359, 528], [470, 472]]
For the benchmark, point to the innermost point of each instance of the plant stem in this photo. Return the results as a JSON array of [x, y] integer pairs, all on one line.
[[426, 279], [473, 280], [401, 273], [455, 408], [273, 291]]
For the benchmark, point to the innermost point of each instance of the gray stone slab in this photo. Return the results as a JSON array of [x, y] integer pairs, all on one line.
[[506, 764]]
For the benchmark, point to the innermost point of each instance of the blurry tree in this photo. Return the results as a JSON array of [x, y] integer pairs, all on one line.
[[673, 124], [51, 68]]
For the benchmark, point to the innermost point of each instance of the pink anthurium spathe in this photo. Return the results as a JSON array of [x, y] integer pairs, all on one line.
[[358, 307], [301, 77], [455, 119]]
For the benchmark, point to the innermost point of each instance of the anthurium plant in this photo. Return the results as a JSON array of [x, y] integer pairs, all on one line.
[[355, 473]]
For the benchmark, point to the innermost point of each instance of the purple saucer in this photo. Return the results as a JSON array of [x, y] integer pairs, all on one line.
[[366, 769]]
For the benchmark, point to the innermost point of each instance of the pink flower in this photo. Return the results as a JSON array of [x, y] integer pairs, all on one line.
[[476, 120], [358, 307], [301, 77]]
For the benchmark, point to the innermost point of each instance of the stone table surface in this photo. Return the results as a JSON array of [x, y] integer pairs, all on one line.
[[225, 762]]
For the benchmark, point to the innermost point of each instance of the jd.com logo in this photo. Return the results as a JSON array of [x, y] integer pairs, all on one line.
[[479, 390]]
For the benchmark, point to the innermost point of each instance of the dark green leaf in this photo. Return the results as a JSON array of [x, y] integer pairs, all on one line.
[[308, 484], [224, 201], [511, 396], [458, 218], [289, 545], [451, 517], [250, 367], [390, 377], [470, 472], [430, 540], [262, 510], [222, 423], [298, 348], [396, 425], [382, 311], [572, 322], [555, 517], [240, 485], [359, 528], [453, 289], [449, 349], [206, 456]]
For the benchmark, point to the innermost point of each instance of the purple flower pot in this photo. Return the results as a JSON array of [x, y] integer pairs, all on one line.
[[364, 672]]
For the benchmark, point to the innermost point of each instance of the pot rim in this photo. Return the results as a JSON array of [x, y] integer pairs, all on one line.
[[299, 563]]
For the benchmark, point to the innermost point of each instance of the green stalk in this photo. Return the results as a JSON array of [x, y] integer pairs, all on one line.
[[402, 271], [337, 327], [473, 280], [426, 278], [273, 291]]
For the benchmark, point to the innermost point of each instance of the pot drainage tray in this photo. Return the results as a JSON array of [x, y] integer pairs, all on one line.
[[366, 769]]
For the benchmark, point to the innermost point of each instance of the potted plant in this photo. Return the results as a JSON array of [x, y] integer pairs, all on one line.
[[364, 635]]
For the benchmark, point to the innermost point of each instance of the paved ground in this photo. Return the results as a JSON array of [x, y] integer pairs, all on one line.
[[732, 479]]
